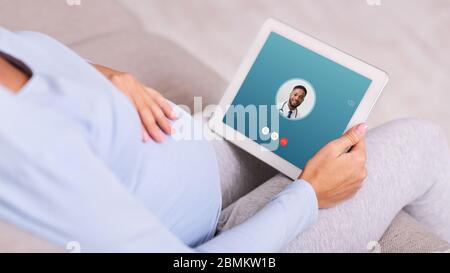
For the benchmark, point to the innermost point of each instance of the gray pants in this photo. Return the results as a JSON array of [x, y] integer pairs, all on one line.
[[408, 162]]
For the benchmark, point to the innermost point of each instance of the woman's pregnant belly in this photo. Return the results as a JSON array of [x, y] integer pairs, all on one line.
[[178, 180]]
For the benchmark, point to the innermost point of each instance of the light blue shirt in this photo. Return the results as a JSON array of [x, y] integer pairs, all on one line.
[[73, 168]]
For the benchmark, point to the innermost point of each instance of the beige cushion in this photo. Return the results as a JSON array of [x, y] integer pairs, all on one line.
[[159, 63], [406, 235], [68, 24]]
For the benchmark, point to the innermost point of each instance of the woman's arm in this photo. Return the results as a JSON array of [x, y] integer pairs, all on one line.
[[330, 177], [54, 186], [288, 214]]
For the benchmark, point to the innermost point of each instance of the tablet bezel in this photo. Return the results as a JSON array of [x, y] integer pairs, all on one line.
[[379, 80]]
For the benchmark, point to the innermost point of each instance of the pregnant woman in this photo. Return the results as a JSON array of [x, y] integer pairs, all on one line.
[[74, 167]]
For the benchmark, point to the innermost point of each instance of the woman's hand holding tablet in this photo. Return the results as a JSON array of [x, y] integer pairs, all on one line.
[[292, 95]]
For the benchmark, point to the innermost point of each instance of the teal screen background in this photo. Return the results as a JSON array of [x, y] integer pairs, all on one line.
[[281, 60]]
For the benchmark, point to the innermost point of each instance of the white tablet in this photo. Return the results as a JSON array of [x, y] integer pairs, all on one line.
[[293, 94]]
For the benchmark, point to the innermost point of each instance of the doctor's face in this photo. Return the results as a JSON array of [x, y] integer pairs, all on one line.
[[297, 97]]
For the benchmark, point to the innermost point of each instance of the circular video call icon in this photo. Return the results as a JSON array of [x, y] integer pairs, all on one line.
[[266, 131], [295, 99]]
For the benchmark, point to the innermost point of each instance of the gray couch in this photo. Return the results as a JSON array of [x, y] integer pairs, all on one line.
[[104, 32]]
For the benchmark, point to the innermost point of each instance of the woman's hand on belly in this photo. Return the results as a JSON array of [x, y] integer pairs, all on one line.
[[154, 110]]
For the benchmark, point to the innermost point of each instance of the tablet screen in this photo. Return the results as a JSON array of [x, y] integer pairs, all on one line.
[[295, 100]]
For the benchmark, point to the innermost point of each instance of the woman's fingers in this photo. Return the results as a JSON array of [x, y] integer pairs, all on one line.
[[160, 117], [359, 148], [336, 174], [154, 110], [145, 136], [163, 103], [150, 124], [349, 139], [154, 119]]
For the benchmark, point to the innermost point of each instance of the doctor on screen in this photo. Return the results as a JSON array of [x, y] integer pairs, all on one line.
[[289, 108]]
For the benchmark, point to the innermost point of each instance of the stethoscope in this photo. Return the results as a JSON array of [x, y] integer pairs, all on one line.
[[284, 104]]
